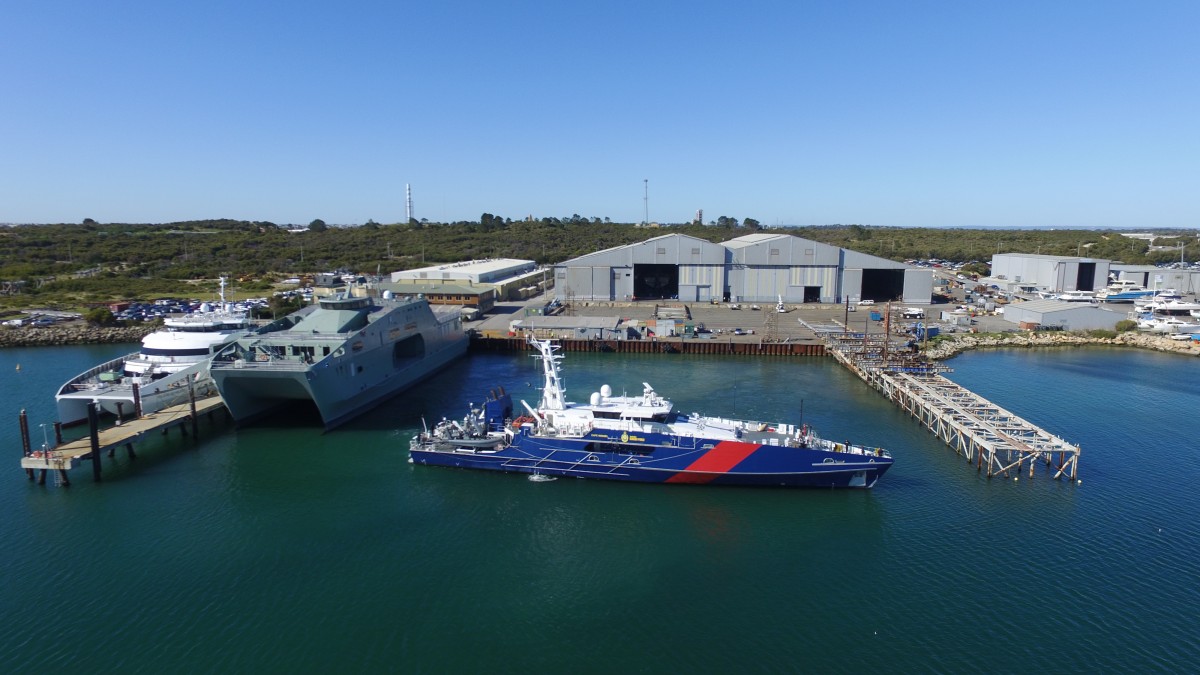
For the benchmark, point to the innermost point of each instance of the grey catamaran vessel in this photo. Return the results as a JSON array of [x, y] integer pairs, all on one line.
[[345, 354]]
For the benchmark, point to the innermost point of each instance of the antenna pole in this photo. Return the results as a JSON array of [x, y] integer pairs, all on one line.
[[646, 200]]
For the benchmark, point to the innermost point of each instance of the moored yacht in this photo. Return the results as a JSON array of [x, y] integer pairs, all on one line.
[[1076, 296], [170, 361], [1123, 290]]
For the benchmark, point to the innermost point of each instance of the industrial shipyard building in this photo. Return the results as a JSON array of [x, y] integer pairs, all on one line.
[[1069, 273], [1052, 273], [760, 267]]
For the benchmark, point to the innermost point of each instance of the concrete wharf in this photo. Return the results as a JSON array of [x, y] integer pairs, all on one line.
[[981, 431], [63, 455]]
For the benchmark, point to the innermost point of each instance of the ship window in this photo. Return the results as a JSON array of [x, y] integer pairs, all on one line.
[[150, 351], [635, 461], [593, 458]]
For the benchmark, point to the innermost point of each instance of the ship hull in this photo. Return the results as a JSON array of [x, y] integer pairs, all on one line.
[[345, 357], [661, 460], [251, 394]]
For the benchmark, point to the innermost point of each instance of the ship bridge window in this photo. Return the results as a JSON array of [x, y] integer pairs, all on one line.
[[151, 351]]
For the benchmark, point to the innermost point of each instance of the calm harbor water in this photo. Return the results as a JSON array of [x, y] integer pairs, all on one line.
[[280, 548]]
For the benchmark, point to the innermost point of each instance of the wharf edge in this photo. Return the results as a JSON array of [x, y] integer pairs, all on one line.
[[713, 347]]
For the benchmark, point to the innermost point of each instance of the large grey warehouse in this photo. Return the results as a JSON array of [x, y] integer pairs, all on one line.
[[760, 267]]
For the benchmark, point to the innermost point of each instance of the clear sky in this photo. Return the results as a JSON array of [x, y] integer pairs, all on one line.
[[900, 112]]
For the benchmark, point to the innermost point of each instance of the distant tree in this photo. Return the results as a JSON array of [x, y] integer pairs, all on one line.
[[317, 225], [88, 221], [751, 223], [859, 232]]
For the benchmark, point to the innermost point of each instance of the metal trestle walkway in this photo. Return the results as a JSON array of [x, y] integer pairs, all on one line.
[[983, 432]]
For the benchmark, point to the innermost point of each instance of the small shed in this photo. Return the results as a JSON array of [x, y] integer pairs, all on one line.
[[570, 327], [1055, 314]]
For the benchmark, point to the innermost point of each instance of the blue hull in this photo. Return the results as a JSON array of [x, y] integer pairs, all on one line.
[[725, 463]]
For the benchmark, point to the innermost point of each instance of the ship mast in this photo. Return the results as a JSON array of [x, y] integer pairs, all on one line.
[[553, 392]]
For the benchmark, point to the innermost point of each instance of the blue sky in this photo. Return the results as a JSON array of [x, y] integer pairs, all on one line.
[[956, 113]]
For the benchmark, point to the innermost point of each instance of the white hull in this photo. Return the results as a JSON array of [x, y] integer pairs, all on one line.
[[117, 398]]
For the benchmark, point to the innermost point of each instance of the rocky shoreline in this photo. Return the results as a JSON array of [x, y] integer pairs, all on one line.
[[954, 344], [57, 336], [947, 347]]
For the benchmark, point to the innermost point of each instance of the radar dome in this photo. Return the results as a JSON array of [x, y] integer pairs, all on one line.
[[605, 390], [595, 398]]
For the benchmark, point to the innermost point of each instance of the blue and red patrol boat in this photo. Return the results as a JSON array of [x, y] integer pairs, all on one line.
[[642, 439]]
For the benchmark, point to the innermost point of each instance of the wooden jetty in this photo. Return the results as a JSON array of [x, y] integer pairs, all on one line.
[[62, 456], [983, 432]]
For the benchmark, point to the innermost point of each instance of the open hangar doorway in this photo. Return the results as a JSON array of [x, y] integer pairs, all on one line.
[[653, 281], [882, 285]]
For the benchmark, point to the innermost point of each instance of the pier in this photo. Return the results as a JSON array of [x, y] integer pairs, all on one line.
[[63, 455], [988, 436]]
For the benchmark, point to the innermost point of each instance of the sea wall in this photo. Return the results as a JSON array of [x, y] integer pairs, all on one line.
[[957, 343], [51, 336]]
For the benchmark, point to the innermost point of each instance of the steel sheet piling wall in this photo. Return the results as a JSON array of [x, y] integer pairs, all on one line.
[[677, 346]]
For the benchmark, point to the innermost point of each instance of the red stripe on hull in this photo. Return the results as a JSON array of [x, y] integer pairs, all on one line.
[[710, 465]]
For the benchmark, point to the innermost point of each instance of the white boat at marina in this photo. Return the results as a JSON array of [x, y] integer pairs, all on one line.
[[170, 362], [1159, 295], [1169, 316], [1076, 296], [1123, 290], [1170, 324]]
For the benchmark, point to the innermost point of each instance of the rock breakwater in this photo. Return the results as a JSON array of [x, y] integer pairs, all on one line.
[[957, 343], [53, 336]]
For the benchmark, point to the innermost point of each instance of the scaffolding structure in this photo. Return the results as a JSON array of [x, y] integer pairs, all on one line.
[[977, 429]]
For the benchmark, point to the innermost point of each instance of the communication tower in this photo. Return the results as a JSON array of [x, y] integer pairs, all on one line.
[[646, 201], [408, 203]]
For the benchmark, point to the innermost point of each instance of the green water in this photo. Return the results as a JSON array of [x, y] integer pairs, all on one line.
[[280, 548]]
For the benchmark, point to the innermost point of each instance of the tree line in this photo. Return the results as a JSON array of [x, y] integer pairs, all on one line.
[[93, 262]]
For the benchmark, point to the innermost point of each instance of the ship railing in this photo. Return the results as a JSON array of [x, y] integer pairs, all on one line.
[[84, 380], [286, 364]]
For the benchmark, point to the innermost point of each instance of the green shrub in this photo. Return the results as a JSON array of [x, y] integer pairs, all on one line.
[[99, 316], [1126, 325]]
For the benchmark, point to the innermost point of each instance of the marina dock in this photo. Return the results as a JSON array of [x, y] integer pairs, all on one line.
[[63, 455], [979, 430]]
